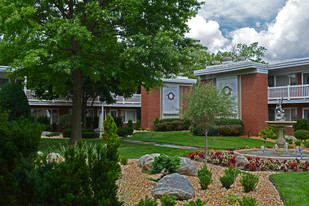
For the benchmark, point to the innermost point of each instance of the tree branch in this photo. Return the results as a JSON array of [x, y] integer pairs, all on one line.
[[61, 9]]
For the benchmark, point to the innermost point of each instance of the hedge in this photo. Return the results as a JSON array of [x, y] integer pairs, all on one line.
[[173, 124], [230, 130], [124, 131], [301, 134], [67, 132], [301, 124], [90, 135]]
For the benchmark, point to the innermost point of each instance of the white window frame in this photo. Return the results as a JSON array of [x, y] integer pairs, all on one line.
[[303, 112], [125, 115], [302, 77], [289, 78], [289, 108], [113, 110]]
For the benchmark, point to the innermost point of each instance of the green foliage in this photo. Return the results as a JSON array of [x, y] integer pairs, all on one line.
[[232, 171], [118, 121], [53, 134], [227, 181], [247, 201], [249, 181], [18, 139], [290, 141], [13, 99], [301, 134], [168, 200], [165, 163], [230, 199], [269, 132], [130, 124], [301, 124], [306, 143], [43, 120], [229, 121], [253, 52], [230, 130], [170, 126], [110, 130], [124, 160], [298, 142], [147, 202], [205, 177], [138, 125], [157, 121], [124, 131], [186, 122], [65, 121], [198, 202], [90, 135]]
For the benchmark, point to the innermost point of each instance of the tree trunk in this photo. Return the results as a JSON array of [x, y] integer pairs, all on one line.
[[84, 111], [206, 131], [76, 132]]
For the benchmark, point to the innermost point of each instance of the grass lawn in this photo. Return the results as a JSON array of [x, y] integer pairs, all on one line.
[[184, 138], [293, 187], [130, 150]]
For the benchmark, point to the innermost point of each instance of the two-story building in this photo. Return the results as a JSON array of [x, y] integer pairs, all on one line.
[[162, 102], [258, 87]]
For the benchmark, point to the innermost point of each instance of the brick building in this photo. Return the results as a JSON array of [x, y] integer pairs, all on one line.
[[257, 88]]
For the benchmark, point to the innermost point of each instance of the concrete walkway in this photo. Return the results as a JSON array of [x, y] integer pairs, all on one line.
[[161, 145]]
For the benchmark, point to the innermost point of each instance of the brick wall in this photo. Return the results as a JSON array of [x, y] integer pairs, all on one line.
[[254, 107], [150, 107]]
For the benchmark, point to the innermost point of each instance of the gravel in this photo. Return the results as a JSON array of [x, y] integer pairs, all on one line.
[[134, 186]]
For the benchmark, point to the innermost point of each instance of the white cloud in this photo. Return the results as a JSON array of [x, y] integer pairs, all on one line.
[[286, 37], [208, 32]]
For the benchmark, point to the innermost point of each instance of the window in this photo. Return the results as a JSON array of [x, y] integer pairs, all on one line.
[[90, 113], [290, 114], [128, 114], [123, 115], [271, 81], [306, 78], [114, 112], [52, 114], [282, 80], [3, 81], [293, 79], [271, 114], [306, 113]]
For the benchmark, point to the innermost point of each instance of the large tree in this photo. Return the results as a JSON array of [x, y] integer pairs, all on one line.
[[56, 43], [205, 104]]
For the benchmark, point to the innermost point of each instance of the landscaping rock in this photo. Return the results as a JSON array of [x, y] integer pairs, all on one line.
[[187, 167], [145, 162], [241, 160], [174, 184]]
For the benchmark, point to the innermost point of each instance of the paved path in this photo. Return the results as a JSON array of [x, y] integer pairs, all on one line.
[[161, 145]]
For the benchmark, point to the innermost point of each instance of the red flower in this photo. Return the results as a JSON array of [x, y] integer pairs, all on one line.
[[252, 166], [249, 158], [257, 158], [270, 159], [293, 165]]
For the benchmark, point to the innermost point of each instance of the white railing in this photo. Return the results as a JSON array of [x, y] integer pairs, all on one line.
[[135, 99], [289, 92]]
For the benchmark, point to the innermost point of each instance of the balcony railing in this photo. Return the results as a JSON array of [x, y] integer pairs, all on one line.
[[289, 92], [135, 99]]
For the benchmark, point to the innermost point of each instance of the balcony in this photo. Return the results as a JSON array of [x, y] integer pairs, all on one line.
[[289, 92], [134, 100]]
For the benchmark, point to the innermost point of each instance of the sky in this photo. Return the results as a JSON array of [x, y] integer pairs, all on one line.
[[282, 26]]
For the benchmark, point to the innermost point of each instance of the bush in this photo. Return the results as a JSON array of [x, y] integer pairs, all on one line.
[[184, 125], [232, 171], [130, 124], [247, 201], [298, 142], [302, 134], [227, 181], [205, 177], [168, 200], [157, 121], [290, 141], [65, 121], [13, 99], [228, 121], [53, 134], [301, 124], [198, 202], [147, 202], [43, 120], [138, 125], [124, 160], [306, 144], [170, 126], [196, 131], [124, 131], [230, 130], [90, 135], [118, 121], [269, 132], [249, 181], [165, 163]]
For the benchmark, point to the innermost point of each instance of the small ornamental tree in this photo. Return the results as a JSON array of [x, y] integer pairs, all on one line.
[[205, 104], [13, 98]]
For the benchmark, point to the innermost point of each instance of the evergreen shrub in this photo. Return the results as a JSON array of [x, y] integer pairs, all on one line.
[[301, 124], [168, 200], [269, 132], [138, 125], [165, 163], [230, 130], [301, 134], [249, 181], [205, 177], [118, 121], [65, 121], [13, 98], [227, 181], [147, 202], [247, 201]]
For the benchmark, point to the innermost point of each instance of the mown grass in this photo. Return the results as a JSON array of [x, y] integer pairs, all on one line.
[[185, 138], [126, 149], [293, 187]]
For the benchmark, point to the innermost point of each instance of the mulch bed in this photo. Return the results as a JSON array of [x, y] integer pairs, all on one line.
[[134, 186]]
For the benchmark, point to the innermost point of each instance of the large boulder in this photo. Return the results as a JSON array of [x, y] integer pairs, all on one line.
[[145, 162], [174, 184], [241, 160], [187, 167]]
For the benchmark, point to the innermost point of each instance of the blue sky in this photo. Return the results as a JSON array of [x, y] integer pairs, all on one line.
[[282, 26]]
